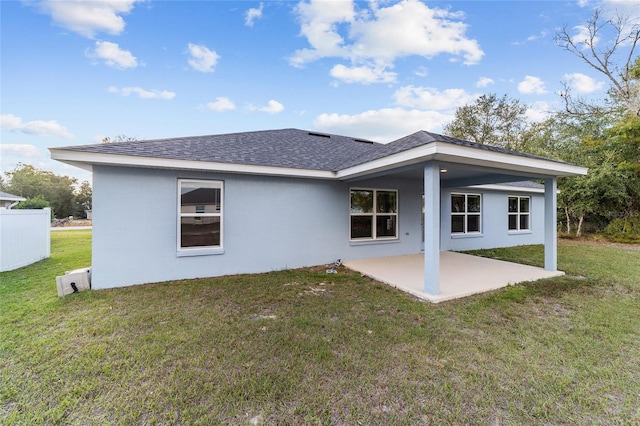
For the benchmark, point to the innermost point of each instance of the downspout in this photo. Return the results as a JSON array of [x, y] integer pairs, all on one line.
[[12, 205]]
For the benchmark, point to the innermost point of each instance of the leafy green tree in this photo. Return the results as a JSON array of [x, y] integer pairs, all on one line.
[[33, 203], [600, 194], [83, 198], [491, 120], [29, 182]]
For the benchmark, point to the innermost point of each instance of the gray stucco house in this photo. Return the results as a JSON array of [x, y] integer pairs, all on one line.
[[250, 202]]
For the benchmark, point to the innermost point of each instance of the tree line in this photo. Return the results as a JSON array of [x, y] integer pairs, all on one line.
[[602, 134], [45, 189]]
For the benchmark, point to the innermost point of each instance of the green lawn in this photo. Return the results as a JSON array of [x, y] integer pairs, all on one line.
[[303, 347]]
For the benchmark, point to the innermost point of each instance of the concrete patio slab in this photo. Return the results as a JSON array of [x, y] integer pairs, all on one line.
[[460, 274]]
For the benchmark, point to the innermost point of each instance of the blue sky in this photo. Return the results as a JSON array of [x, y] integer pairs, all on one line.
[[74, 72]]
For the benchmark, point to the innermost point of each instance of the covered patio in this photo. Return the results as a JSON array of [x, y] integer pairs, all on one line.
[[460, 274]]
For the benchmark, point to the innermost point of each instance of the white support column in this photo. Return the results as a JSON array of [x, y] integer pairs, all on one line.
[[432, 228], [550, 224]]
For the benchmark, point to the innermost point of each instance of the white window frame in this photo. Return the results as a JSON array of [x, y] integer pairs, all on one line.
[[518, 214], [200, 250], [466, 214], [374, 215]]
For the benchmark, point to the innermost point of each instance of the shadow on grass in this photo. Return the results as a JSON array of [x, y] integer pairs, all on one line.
[[552, 288]]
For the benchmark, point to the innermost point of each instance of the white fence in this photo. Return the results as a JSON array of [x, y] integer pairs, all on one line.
[[25, 237]]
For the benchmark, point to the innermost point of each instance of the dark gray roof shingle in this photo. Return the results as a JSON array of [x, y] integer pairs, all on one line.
[[293, 148]]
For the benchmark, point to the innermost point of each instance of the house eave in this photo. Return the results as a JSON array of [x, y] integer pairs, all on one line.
[[446, 152], [435, 151], [87, 160]]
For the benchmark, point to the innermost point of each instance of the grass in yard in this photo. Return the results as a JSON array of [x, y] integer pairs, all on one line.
[[304, 347]]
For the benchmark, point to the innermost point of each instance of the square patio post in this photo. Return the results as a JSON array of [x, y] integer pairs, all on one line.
[[432, 228], [550, 224]]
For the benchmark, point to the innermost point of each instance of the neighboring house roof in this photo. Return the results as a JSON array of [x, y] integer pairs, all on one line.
[[5, 196], [294, 152]]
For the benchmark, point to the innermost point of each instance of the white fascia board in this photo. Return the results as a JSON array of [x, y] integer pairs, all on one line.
[[465, 155], [499, 160], [84, 159], [401, 159]]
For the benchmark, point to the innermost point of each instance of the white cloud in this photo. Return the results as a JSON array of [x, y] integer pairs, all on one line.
[[112, 55], [538, 111], [12, 155], [422, 72], [87, 17], [37, 127], [143, 93], [582, 35], [583, 83], [627, 8], [253, 14], [543, 34], [363, 74], [484, 82], [202, 58], [221, 104], [273, 107], [380, 35], [318, 23], [531, 85], [21, 150], [432, 98], [383, 125]]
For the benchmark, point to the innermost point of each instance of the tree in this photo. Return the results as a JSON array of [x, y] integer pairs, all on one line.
[[29, 182], [613, 59], [491, 120], [601, 193], [83, 199], [119, 138], [33, 203]]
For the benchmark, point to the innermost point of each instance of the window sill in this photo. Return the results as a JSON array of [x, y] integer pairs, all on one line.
[[470, 235], [370, 242], [523, 232], [199, 252]]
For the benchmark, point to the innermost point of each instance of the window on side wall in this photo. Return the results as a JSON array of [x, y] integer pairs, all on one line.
[[199, 215], [373, 214], [519, 213], [466, 214]]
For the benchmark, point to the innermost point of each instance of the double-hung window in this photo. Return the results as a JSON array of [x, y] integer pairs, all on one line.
[[519, 213], [466, 213], [199, 215], [373, 214]]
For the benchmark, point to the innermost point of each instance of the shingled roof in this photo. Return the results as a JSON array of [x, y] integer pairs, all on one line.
[[292, 148]]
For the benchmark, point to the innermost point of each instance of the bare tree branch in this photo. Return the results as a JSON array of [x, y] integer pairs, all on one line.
[[626, 37]]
